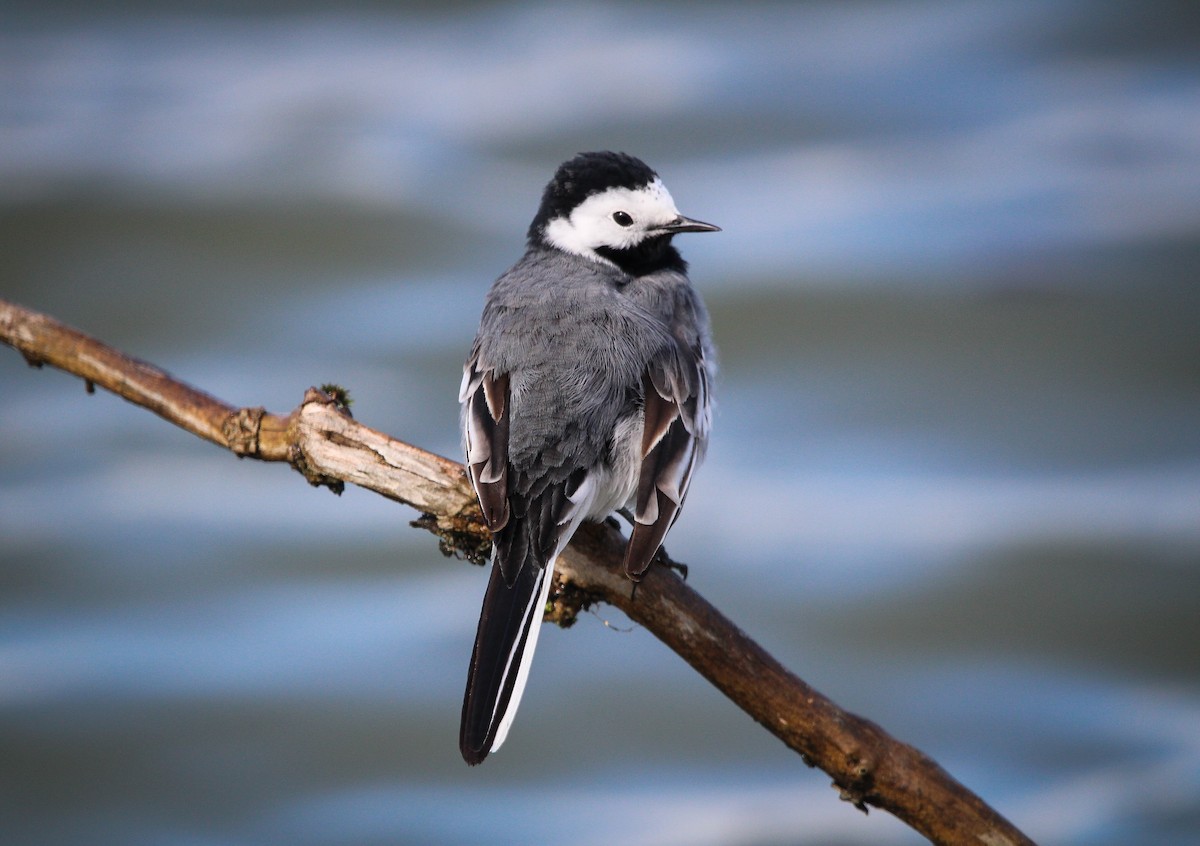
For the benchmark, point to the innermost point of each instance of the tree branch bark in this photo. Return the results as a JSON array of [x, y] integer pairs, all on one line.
[[868, 766]]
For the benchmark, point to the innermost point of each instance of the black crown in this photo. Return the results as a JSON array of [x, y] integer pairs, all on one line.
[[583, 176]]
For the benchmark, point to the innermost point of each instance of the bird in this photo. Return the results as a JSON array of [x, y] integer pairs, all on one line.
[[586, 391]]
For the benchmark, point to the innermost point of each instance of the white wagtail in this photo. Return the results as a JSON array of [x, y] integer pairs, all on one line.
[[586, 391]]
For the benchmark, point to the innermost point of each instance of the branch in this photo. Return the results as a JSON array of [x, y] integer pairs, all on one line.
[[867, 765]]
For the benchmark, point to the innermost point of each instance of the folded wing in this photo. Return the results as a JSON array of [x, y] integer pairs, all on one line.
[[530, 525], [674, 436]]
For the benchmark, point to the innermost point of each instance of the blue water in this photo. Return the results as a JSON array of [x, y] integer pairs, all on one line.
[[955, 476]]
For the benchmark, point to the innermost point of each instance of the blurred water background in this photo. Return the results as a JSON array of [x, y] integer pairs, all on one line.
[[954, 482]]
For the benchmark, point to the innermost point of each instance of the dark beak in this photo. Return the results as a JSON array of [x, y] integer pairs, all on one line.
[[686, 224]]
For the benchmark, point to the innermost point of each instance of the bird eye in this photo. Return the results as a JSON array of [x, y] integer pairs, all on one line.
[[622, 218]]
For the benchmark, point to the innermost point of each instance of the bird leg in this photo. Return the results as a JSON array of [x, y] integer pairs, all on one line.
[[661, 557], [665, 560]]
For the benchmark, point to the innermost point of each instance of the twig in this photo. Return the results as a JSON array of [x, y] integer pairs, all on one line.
[[868, 766]]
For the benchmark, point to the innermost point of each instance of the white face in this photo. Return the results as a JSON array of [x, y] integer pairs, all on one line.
[[617, 218]]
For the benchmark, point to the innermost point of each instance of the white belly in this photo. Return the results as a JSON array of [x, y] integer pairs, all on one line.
[[616, 486]]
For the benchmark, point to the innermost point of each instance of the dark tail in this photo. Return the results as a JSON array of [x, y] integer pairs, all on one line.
[[504, 645]]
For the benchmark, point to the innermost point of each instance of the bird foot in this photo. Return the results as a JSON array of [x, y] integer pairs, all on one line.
[[661, 558]]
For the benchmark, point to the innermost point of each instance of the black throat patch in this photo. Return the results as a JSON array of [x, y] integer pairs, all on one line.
[[652, 254]]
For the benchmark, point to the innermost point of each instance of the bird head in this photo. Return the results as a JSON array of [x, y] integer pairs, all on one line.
[[610, 207]]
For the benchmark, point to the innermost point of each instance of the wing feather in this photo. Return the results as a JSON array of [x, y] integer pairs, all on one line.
[[486, 425], [530, 525], [674, 435]]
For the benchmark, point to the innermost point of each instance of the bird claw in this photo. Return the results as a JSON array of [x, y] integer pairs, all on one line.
[[661, 558]]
